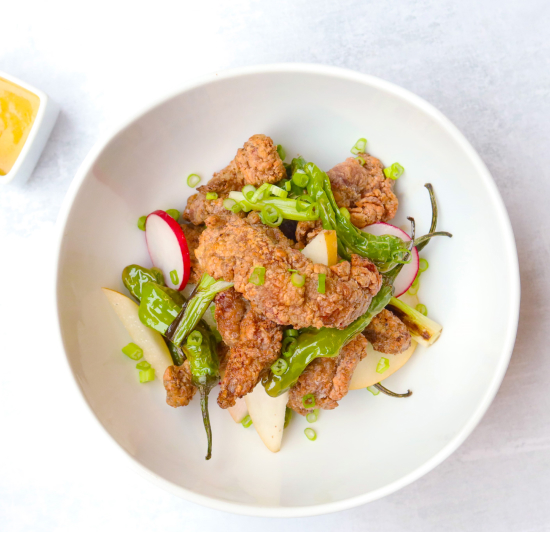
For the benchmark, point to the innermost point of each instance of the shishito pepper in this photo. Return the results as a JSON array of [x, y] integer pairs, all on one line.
[[205, 370], [135, 276]]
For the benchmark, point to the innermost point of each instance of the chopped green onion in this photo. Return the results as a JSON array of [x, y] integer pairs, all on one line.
[[300, 178], [359, 147], [194, 338], [423, 265], [361, 160], [211, 195], [312, 417], [288, 416], [279, 367], [174, 213], [143, 365], [260, 193], [246, 421], [310, 434], [271, 216], [288, 346], [291, 270], [258, 276], [231, 205], [248, 191], [291, 333], [416, 282], [213, 312], [421, 308], [288, 185], [308, 401], [174, 277], [193, 180], [281, 152], [303, 203], [133, 351], [382, 365], [393, 172], [413, 290], [345, 212], [277, 191], [146, 375], [141, 223], [298, 280], [373, 390], [321, 279]]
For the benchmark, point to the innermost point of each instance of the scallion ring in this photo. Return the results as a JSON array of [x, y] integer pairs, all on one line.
[[248, 191], [174, 277], [174, 213], [394, 171], [298, 280], [422, 309], [211, 195], [279, 367], [271, 216], [146, 375], [300, 178], [382, 365], [141, 223], [310, 434], [303, 202], [143, 365], [360, 160], [321, 281], [359, 147], [277, 191], [258, 276], [423, 265], [194, 338], [246, 421], [232, 205], [312, 417], [260, 193], [193, 180], [281, 152], [308, 401]]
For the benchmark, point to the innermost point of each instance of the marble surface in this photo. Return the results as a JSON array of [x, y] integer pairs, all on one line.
[[484, 64]]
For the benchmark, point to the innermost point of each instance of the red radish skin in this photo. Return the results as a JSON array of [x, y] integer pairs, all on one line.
[[409, 272], [168, 247]]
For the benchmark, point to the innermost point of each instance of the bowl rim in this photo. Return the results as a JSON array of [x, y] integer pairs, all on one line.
[[510, 254]]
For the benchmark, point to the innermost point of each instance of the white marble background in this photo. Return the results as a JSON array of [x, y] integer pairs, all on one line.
[[485, 64]]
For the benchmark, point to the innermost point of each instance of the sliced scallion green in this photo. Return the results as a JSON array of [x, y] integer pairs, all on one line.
[[143, 365], [394, 171], [359, 147], [423, 265], [174, 277], [300, 178], [308, 401], [288, 416], [281, 152], [373, 390], [271, 216], [421, 308], [382, 365], [258, 276], [211, 195], [277, 191], [146, 375], [312, 417], [133, 351], [360, 160], [193, 180], [231, 205], [141, 223], [246, 421], [174, 213], [310, 434], [298, 280], [321, 280]]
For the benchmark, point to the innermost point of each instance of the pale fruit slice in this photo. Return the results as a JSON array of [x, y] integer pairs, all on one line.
[[268, 415], [323, 248], [154, 348], [239, 410], [366, 375], [406, 277]]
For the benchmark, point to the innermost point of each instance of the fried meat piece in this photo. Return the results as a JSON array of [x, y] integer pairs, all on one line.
[[364, 190], [258, 347], [328, 378], [230, 310], [232, 248], [178, 384], [257, 162], [192, 234], [387, 333], [306, 231]]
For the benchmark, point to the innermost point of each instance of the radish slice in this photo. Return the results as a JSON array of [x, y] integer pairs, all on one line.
[[168, 249], [406, 277]]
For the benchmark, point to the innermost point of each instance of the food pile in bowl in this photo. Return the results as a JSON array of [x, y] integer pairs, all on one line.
[[285, 284]]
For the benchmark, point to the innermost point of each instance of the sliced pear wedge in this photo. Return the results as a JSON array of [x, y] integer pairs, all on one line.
[[151, 342], [268, 415], [323, 248], [366, 375]]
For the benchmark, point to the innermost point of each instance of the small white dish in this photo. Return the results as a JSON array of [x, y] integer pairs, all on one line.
[[39, 133], [369, 446]]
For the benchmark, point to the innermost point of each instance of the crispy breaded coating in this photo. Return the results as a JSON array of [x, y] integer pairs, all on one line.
[[230, 310], [259, 161], [192, 235], [178, 384], [306, 231], [232, 248], [258, 347], [226, 180], [364, 190], [387, 333], [328, 378], [198, 209]]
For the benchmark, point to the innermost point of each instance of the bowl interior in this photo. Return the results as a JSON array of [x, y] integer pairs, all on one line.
[[370, 445]]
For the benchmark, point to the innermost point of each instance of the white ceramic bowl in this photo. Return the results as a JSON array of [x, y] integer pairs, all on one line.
[[369, 446]]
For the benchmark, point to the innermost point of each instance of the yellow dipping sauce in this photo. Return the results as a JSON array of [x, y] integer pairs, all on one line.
[[18, 109]]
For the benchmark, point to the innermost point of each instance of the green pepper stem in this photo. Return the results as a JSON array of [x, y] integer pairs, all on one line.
[[383, 389], [204, 391], [426, 238], [434, 215]]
